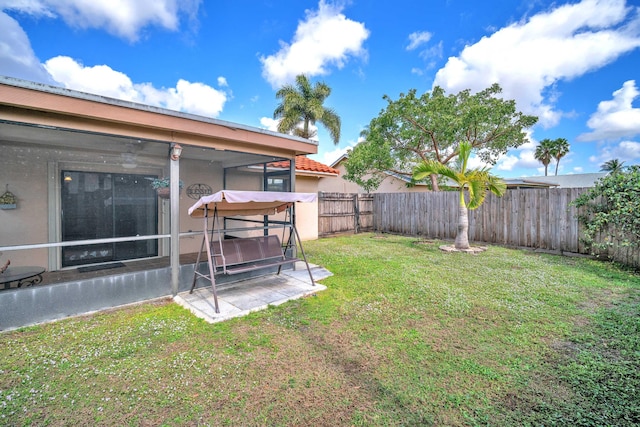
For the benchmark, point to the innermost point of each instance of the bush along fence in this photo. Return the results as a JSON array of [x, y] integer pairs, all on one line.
[[542, 219]]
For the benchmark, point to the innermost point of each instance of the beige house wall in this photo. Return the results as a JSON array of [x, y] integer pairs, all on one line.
[[28, 223], [307, 213]]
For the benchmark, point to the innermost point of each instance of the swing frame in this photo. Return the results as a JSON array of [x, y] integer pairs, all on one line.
[[238, 255]]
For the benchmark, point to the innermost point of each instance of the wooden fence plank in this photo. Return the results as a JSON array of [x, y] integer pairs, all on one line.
[[536, 218]]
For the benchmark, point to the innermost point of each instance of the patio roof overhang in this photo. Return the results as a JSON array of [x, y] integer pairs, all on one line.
[[30, 111]]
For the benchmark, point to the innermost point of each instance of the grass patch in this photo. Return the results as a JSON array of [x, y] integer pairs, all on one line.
[[404, 335]]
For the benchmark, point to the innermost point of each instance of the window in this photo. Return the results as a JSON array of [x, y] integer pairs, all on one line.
[[105, 205], [277, 184]]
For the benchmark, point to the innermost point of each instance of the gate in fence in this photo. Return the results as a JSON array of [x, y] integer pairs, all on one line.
[[340, 213]]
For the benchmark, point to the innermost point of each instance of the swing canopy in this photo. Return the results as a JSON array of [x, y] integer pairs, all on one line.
[[247, 203]]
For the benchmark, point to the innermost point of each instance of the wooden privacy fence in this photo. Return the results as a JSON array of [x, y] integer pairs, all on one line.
[[533, 218], [344, 213]]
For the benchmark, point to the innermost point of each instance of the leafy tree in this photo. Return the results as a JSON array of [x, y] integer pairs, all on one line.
[[302, 105], [612, 166], [612, 208], [475, 182], [559, 149], [543, 153], [415, 129]]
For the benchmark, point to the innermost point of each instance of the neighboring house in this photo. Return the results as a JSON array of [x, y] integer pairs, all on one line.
[[393, 183], [82, 165], [579, 180]]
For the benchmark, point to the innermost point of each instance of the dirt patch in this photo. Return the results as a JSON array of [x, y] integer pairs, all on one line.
[[566, 348]]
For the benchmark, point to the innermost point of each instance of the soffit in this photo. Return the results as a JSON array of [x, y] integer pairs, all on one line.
[[114, 145], [103, 116]]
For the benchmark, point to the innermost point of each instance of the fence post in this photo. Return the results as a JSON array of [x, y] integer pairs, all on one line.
[[356, 214]]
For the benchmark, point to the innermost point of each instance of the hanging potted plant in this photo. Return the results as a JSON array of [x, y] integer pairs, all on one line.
[[8, 200], [161, 185]]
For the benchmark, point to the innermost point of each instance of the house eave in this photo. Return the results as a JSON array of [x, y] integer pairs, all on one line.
[[315, 174], [38, 104]]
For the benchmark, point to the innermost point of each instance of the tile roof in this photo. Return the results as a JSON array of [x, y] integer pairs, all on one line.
[[306, 164]]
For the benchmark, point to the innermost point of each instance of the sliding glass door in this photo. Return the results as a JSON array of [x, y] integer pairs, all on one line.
[[104, 205]]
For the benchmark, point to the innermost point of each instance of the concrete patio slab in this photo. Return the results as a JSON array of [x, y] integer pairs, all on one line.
[[243, 297]]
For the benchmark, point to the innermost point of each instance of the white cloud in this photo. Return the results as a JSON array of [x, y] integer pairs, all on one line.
[[418, 38], [434, 51], [329, 157], [519, 159], [100, 79], [122, 18], [195, 98], [269, 123], [31, 7], [628, 150], [522, 157], [325, 38], [475, 162], [616, 118], [272, 125], [625, 151], [528, 57], [17, 58], [507, 163]]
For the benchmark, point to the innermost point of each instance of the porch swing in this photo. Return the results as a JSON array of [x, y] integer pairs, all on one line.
[[230, 255]]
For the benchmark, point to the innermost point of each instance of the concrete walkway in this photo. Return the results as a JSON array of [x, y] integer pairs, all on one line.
[[240, 298]]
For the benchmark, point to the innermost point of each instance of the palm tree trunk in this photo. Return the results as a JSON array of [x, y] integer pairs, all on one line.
[[306, 128], [434, 182], [462, 236]]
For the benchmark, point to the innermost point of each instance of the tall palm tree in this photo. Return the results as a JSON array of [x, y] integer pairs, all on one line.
[[476, 182], [612, 166], [543, 153], [302, 104], [559, 149]]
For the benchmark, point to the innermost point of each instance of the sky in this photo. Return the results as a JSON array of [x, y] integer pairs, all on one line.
[[574, 64]]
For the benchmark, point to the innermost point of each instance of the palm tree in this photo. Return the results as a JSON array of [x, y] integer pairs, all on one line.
[[477, 182], [559, 149], [543, 153], [612, 166], [302, 105]]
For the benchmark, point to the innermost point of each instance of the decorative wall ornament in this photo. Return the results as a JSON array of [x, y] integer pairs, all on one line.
[[8, 200], [195, 191]]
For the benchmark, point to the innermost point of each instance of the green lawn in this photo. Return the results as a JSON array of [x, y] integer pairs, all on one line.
[[404, 335]]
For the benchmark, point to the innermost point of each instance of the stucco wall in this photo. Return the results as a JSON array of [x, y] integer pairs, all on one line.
[[25, 172], [194, 172], [338, 184], [307, 213]]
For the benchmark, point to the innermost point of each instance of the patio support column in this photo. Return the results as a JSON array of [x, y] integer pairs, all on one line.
[[174, 256]]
